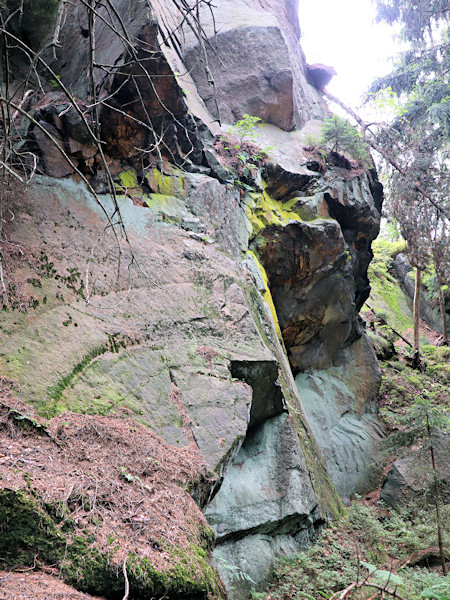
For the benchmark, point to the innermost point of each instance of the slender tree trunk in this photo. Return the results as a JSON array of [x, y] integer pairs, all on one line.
[[416, 318], [437, 501], [442, 309]]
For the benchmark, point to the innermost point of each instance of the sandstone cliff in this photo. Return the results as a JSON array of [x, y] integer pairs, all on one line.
[[162, 297]]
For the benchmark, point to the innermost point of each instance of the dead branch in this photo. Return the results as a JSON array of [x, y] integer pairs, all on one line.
[[383, 322], [355, 586]]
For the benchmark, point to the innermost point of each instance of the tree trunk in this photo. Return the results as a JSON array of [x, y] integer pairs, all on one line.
[[416, 318], [442, 309], [437, 501]]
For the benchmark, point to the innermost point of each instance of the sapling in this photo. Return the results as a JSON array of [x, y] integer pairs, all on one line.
[[421, 424]]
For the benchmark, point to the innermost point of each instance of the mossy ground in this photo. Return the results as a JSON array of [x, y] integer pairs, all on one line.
[[113, 494], [368, 537], [402, 385]]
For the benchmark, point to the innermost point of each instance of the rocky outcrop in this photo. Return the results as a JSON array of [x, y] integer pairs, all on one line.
[[265, 507], [160, 287], [189, 351]]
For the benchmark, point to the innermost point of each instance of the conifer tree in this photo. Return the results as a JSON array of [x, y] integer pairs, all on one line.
[[419, 135]]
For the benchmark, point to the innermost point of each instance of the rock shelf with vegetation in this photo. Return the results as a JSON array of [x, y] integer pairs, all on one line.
[[187, 389]]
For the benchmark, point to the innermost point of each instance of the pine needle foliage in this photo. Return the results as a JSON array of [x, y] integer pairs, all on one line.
[[340, 136]]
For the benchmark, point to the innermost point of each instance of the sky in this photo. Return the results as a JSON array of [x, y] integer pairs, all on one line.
[[343, 34]]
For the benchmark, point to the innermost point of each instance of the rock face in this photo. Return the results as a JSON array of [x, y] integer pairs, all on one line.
[[340, 402], [247, 79], [265, 507], [162, 287]]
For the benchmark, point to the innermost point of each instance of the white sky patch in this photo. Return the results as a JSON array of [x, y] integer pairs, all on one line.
[[343, 34]]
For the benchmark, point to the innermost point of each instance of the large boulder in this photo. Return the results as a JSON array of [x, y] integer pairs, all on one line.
[[249, 66], [250, 63], [312, 289], [410, 478]]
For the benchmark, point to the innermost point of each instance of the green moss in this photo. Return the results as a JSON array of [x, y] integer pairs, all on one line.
[[169, 207], [387, 296], [128, 180], [55, 393], [25, 529], [86, 568], [189, 576], [28, 529], [401, 385], [384, 348], [55, 403]]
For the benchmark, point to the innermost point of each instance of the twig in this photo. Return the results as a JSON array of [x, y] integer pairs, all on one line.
[[5, 291], [125, 574]]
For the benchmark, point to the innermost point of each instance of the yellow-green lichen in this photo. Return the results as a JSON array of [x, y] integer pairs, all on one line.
[[169, 207], [128, 180], [267, 295], [262, 211], [166, 184]]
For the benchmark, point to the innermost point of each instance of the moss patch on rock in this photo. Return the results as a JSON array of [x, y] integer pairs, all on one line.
[[387, 296], [262, 211], [27, 528], [166, 184], [267, 294]]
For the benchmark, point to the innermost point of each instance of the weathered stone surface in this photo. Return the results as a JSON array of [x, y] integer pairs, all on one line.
[[138, 375], [185, 346], [265, 493], [253, 59], [250, 67], [254, 555], [56, 164], [340, 404], [220, 208], [351, 203], [73, 54], [186, 335], [312, 289], [308, 103]]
